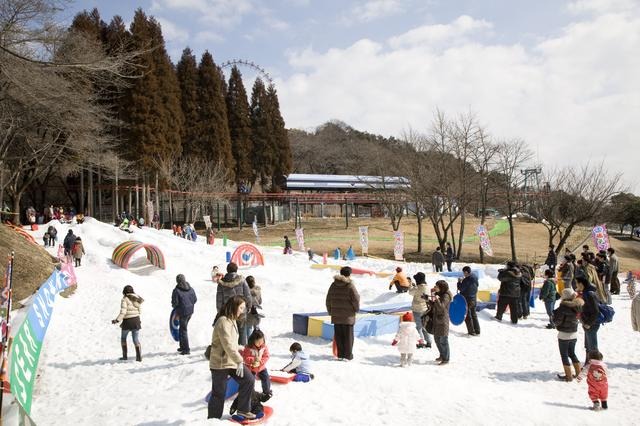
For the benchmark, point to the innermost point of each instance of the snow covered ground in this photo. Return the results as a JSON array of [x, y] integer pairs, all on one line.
[[506, 375]]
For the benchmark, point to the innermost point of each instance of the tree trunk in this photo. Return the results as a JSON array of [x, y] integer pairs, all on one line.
[[16, 208], [116, 196], [419, 218], [99, 215], [137, 215], [81, 206], [90, 198], [170, 209], [460, 236], [512, 238], [157, 197]]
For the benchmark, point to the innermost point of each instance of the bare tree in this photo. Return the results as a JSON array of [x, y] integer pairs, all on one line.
[[510, 157], [576, 195]]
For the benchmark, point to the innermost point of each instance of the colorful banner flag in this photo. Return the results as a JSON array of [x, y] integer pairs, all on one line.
[[300, 238], [27, 343], [207, 221], [600, 237], [398, 247], [364, 239], [485, 243]]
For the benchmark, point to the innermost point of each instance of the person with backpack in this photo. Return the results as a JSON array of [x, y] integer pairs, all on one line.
[[183, 299], [565, 319], [68, 242], [77, 251], [589, 315]]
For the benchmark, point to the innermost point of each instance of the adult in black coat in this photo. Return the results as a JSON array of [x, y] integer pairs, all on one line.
[[552, 259], [525, 290], [589, 315], [69, 240], [182, 300], [509, 293], [468, 288], [449, 255]]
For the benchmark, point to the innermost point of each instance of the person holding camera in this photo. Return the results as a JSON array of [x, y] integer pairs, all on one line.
[[440, 301]]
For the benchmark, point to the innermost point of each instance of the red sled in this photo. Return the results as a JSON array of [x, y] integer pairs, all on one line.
[[283, 378], [268, 411]]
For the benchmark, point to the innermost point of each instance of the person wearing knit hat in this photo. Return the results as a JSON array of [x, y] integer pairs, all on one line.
[[565, 319], [419, 307], [400, 280], [406, 339]]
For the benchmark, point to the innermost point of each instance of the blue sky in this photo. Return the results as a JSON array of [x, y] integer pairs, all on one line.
[[564, 75]]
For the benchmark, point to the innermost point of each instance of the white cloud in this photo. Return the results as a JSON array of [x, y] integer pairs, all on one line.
[[172, 32], [431, 34], [573, 97], [602, 6], [222, 13], [208, 37], [369, 10]]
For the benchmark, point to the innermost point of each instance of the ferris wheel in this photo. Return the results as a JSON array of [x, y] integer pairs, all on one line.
[[249, 64]]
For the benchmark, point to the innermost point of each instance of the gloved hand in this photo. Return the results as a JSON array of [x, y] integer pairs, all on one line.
[[395, 342], [240, 370], [115, 321]]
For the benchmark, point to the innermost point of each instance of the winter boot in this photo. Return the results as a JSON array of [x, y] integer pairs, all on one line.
[[409, 359], [596, 406], [605, 405], [421, 344], [124, 352], [577, 367], [567, 374], [403, 360], [138, 353], [247, 416]]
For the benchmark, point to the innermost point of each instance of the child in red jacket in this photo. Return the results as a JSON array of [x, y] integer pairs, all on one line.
[[256, 355], [596, 372]]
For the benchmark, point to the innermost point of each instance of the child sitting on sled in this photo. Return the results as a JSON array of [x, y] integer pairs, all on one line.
[[255, 356], [300, 364]]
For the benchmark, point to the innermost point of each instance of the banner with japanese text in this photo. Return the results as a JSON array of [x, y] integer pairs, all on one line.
[[364, 239], [300, 238], [485, 243], [600, 237], [398, 245]]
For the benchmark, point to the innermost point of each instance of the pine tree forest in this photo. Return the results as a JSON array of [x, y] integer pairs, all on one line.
[[156, 124]]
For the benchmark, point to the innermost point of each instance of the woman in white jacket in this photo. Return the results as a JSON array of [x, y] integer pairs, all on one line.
[[130, 316], [406, 339]]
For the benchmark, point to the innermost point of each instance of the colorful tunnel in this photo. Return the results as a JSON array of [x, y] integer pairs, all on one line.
[[122, 254]]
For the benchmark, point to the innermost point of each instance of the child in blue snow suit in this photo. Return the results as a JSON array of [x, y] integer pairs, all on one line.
[[300, 364]]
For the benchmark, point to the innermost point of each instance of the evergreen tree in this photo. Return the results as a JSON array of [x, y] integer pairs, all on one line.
[[152, 109], [262, 157], [239, 127], [187, 71], [89, 23], [279, 139], [213, 142]]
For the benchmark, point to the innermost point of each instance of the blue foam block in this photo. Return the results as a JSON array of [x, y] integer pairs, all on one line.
[[388, 308], [485, 305], [366, 326], [301, 321]]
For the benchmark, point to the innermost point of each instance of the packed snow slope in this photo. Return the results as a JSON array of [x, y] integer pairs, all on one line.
[[504, 376]]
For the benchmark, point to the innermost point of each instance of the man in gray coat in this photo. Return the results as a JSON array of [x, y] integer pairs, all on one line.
[[231, 285], [343, 302]]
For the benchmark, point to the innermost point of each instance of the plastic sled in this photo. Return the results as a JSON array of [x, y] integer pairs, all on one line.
[[457, 309], [260, 418], [230, 393], [281, 377], [174, 325]]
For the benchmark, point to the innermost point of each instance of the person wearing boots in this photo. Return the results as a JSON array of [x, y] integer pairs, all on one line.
[[130, 317], [565, 319], [78, 251], [419, 307], [183, 299], [548, 295]]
